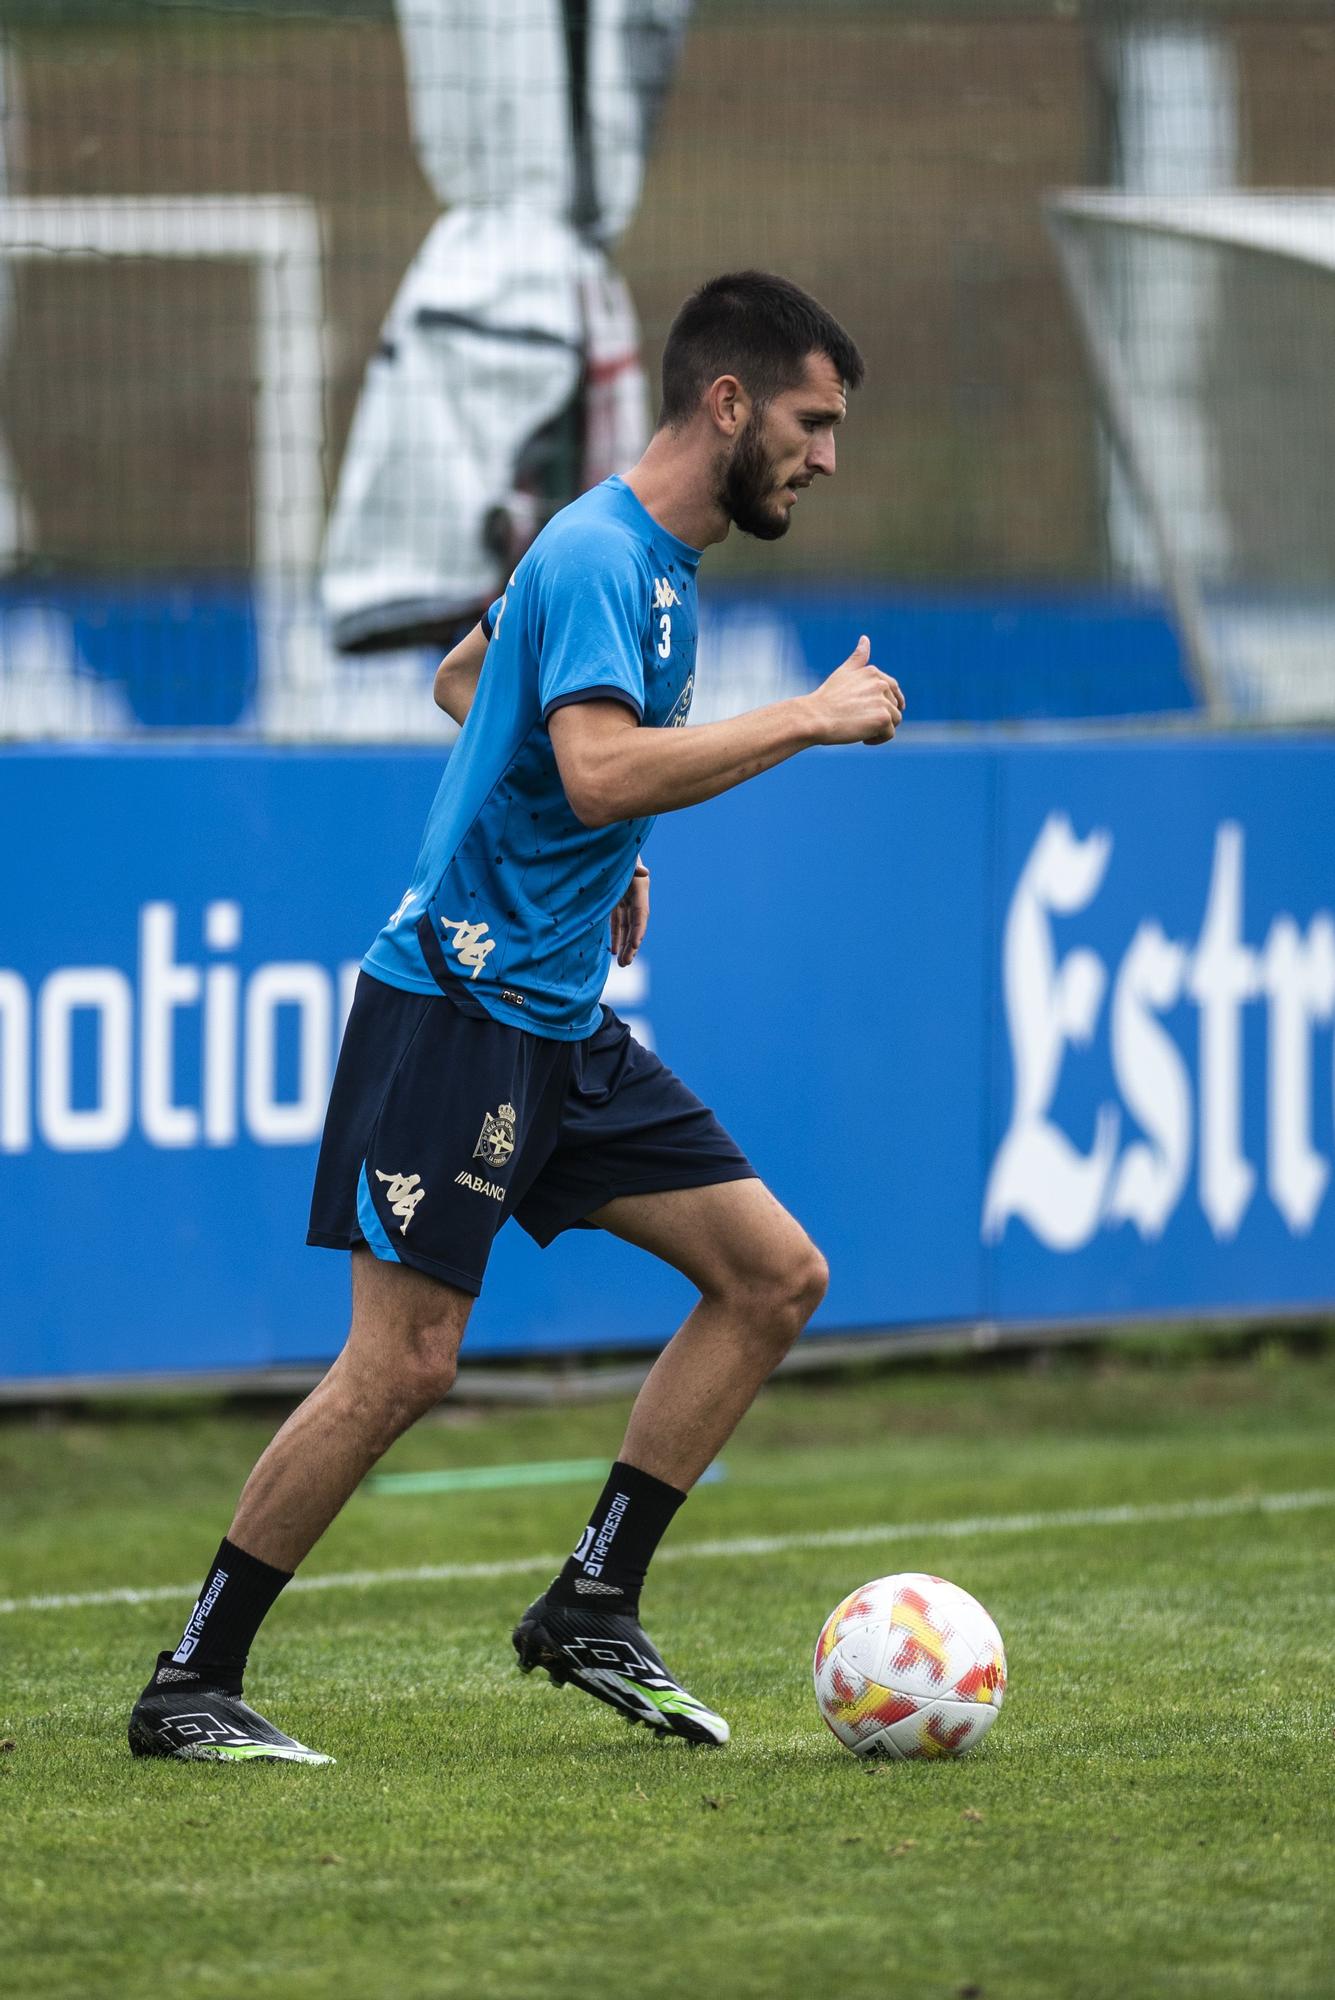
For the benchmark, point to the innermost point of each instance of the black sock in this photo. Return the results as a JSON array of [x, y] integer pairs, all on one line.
[[607, 1569], [238, 1591]]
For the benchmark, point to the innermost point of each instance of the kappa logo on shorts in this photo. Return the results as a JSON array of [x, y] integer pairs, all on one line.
[[402, 1192], [496, 1140]]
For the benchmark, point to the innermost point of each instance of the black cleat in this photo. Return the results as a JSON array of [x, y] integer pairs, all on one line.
[[203, 1723], [606, 1654]]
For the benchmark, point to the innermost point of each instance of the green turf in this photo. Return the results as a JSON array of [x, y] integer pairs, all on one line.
[[1150, 1816]]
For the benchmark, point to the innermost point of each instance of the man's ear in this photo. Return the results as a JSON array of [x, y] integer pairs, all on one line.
[[728, 405]]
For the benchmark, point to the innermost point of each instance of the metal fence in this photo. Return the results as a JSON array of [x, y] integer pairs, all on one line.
[[253, 467]]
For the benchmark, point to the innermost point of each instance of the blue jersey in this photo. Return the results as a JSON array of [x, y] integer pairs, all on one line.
[[510, 899]]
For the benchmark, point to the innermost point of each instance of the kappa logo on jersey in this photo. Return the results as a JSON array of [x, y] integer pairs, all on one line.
[[496, 1140], [470, 942], [664, 595], [401, 912], [402, 1192]]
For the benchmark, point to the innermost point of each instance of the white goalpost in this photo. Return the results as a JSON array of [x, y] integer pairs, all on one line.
[[1209, 321], [279, 238]]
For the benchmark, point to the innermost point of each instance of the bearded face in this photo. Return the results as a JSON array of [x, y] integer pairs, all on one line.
[[779, 450], [750, 492]]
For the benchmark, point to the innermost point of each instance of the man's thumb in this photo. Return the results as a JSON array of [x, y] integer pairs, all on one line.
[[861, 652]]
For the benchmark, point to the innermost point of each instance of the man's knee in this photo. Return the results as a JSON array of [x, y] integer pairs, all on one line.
[[812, 1279], [387, 1394], [777, 1291], [426, 1377], [428, 1370], [802, 1282]]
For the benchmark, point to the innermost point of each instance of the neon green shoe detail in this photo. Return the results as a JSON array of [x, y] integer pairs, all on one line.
[[199, 1724]]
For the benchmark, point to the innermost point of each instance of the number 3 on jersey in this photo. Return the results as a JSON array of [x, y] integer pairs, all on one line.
[[664, 636]]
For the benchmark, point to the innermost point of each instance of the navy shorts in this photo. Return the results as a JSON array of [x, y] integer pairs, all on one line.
[[442, 1123]]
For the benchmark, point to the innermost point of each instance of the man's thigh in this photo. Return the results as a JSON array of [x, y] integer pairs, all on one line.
[[628, 1127], [735, 1232], [394, 1301], [437, 1121]]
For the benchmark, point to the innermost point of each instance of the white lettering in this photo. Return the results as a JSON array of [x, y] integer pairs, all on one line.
[[222, 1007], [15, 1064], [1298, 977], [100, 990], [1038, 1174], [1224, 976], [1153, 1082], [42, 1038], [194, 1630], [606, 1534], [164, 986], [305, 986]]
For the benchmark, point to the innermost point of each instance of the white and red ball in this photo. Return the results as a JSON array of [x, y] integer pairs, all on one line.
[[909, 1666]]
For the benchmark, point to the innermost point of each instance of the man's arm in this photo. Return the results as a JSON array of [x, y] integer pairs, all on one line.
[[457, 675], [612, 769]]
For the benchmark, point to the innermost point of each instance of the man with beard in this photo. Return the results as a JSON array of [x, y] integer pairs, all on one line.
[[480, 1077]]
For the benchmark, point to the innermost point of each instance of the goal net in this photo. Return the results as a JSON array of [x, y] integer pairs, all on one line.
[[1209, 323]]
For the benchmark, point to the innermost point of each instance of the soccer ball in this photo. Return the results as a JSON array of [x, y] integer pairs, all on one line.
[[909, 1666]]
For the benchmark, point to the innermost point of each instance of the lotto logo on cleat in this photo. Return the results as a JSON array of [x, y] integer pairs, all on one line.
[[616, 1665], [618, 1653], [208, 1725], [181, 1730]]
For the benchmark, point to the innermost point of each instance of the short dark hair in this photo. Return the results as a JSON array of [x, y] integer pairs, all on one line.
[[757, 327]]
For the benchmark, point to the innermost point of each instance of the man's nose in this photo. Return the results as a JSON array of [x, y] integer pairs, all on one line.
[[820, 458]]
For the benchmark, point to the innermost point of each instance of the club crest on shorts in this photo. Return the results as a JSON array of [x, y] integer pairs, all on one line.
[[496, 1140]]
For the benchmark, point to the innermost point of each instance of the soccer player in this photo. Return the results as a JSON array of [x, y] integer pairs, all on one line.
[[480, 1077]]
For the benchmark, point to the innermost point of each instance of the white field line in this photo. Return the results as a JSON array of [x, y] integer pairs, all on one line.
[[748, 1545]]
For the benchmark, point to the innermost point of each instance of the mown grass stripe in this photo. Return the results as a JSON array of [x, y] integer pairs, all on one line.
[[1127, 1516]]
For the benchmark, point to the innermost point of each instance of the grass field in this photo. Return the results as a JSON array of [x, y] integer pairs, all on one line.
[[1150, 1816]]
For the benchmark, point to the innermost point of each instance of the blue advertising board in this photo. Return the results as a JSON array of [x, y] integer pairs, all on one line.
[[1020, 1031], [140, 658]]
